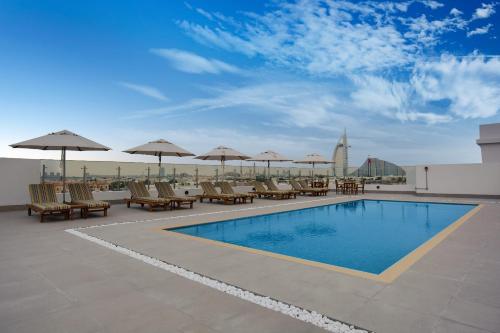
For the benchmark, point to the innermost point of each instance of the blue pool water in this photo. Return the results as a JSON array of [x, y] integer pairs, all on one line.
[[365, 235]]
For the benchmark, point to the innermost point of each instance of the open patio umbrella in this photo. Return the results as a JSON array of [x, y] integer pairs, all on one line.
[[269, 156], [159, 148], [63, 140], [223, 154], [314, 159]]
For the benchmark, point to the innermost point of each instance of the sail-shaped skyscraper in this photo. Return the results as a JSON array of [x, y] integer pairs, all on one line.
[[340, 157]]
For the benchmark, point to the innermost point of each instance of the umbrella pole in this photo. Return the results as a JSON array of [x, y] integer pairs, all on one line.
[[223, 167], [63, 157], [268, 169], [313, 174], [159, 167]]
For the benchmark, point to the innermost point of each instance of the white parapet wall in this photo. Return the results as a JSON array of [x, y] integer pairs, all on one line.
[[15, 176], [459, 179], [444, 179]]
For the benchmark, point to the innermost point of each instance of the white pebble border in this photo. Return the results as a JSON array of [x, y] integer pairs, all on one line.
[[293, 311]]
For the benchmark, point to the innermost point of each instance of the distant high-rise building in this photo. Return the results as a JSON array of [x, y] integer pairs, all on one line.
[[340, 157]]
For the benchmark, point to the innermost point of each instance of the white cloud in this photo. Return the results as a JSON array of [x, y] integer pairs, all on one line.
[[328, 38], [300, 104], [455, 12], [390, 99], [483, 12], [470, 84], [192, 63], [144, 90], [480, 31], [432, 4], [307, 36], [426, 33]]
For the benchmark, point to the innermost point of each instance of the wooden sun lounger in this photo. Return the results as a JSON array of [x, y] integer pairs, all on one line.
[[273, 187], [81, 194], [210, 193], [226, 188], [140, 195], [166, 191], [312, 190], [44, 201], [261, 191], [303, 191]]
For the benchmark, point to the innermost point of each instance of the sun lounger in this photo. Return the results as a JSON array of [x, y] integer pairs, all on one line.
[[166, 191], [313, 190], [44, 201], [210, 193], [272, 186], [140, 195], [81, 194], [262, 191], [303, 191], [226, 188]]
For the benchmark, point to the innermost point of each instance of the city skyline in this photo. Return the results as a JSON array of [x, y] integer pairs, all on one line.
[[401, 77]]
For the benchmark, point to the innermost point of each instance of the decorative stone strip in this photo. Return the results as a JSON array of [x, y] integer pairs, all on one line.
[[311, 317]]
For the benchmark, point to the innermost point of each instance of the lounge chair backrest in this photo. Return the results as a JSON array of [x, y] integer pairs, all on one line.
[[295, 185], [80, 191], [164, 190], [209, 188], [303, 183], [138, 190], [42, 193], [259, 187], [226, 188], [271, 185]]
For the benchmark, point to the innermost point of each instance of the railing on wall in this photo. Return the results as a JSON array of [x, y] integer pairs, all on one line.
[[113, 176]]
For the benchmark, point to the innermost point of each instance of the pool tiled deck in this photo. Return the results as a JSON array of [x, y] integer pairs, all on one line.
[[53, 281]]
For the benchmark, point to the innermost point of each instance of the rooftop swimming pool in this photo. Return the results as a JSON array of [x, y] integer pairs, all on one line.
[[364, 235]]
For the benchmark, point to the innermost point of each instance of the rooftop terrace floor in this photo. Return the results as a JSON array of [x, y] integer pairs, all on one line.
[[53, 281]]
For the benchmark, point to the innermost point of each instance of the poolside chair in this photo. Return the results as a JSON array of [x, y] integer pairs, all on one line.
[[226, 188], [339, 188], [313, 190], [140, 195], [81, 194], [303, 191], [272, 186], [44, 201], [262, 191], [361, 186], [166, 191], [210, 193], [350, 187]]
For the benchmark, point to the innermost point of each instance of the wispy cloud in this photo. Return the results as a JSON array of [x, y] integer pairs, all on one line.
[[485, 11], [471, 85], [299, 104], [331, 38], [455, 12], [391, 99], [363, 45], [144, 90], [480, 31], [192, 63]]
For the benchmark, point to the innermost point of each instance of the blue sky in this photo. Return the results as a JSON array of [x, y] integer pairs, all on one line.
[[409, 80]]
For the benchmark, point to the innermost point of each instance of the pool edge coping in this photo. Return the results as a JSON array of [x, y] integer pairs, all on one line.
[[387, 276]]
